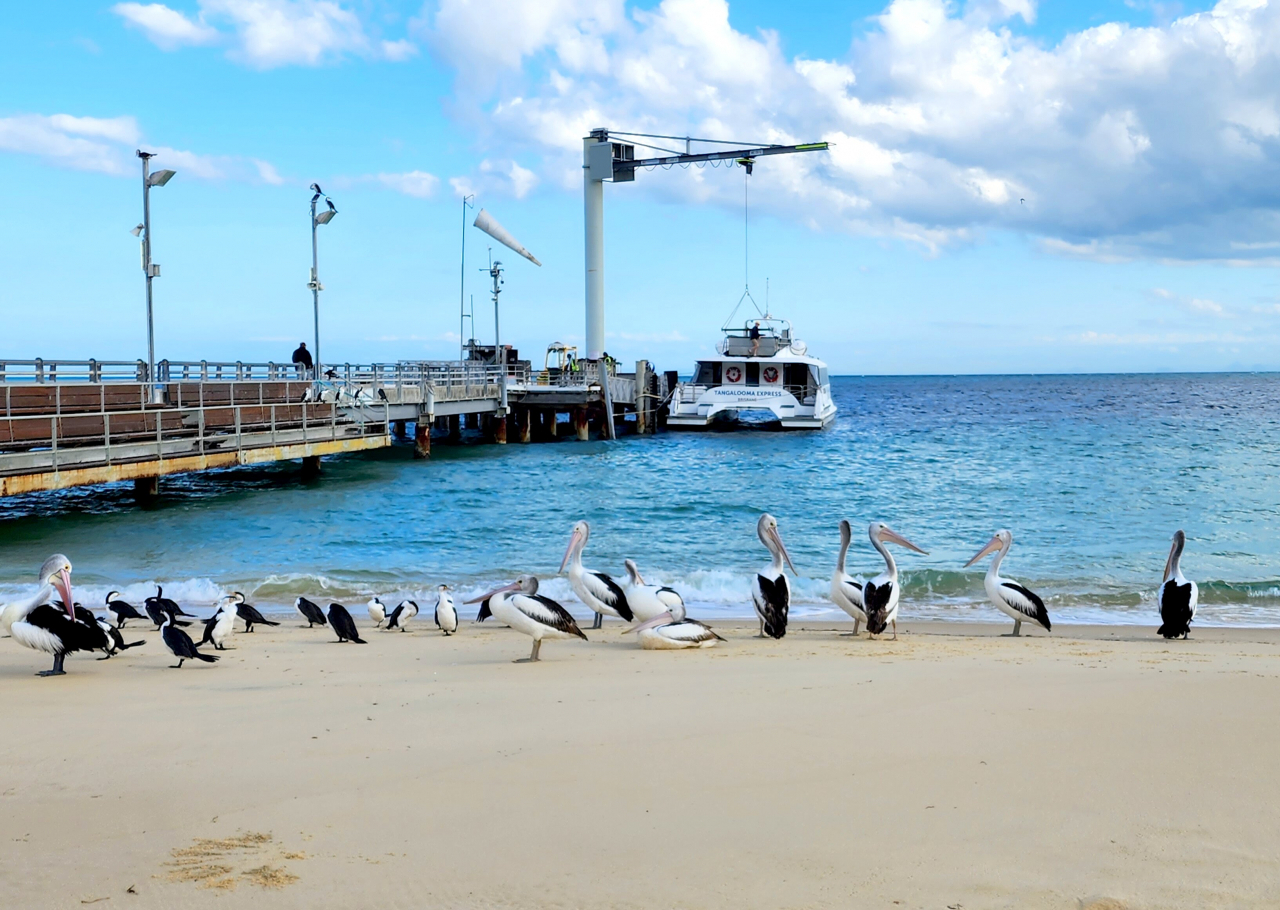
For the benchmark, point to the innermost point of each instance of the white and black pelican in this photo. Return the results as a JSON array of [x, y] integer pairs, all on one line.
[[311, 612], [846, 592], [770, 590], [120, 610], [648, 601], [595, 589], [400, 616], [343, 625], [880, 595], [446, 614], [180, 644], [1178, 597], [670, 630], [57, 630], [1009, 597], [377, 612], [521, 607], [18, 609]]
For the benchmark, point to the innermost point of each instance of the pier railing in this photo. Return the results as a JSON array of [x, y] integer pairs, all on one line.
[[88, 425]]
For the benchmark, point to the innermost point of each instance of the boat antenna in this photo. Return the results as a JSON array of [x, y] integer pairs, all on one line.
[[746, 248]]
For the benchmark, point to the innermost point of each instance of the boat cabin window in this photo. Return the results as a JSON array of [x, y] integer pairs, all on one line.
[[822, 376], [708, 373], [795, 375], [753, 372]]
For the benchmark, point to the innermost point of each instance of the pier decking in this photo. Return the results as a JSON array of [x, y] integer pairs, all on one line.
[[71, 423]]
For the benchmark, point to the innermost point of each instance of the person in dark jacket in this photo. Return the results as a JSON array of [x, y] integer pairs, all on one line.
[[302, 359]]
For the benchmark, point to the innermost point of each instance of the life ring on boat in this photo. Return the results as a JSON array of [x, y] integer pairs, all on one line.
[[770, 374], [733, 374]]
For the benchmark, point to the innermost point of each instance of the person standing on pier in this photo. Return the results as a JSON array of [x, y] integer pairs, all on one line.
[[302, 360]]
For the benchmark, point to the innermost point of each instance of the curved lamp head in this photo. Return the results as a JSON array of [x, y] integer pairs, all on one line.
[[160, 178]]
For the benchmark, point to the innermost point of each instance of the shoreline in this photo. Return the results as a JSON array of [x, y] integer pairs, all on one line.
[[955, 766]]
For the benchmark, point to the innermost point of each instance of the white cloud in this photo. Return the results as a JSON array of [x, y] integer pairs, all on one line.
[[498, 178], [266, 33], [1126, 142], [268, 173], [107, 145], [167, 28], [419, 184]]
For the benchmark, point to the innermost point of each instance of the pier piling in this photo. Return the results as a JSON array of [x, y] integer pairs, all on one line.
[[580, 424], [146, 490], [311, 467], [422, 439]]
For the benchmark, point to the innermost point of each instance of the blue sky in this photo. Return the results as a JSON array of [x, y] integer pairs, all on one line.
[[1014, 186]]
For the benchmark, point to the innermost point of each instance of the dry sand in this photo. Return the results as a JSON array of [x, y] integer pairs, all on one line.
[[952, 768]]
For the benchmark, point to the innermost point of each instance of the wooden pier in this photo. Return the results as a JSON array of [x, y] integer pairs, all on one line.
[[68, 424]]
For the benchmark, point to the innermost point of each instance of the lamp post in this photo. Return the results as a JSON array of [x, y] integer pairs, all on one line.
[[150, 269], [314, 284]]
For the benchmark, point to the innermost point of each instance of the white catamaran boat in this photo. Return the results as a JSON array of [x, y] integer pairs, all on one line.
[[769, 377]]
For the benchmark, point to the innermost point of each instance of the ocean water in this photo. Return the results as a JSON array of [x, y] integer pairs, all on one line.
[[1092, 474]]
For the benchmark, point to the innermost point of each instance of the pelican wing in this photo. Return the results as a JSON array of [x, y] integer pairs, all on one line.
[[773, 600], [79, 634], [851, 590], [669, 597], [546, 611], [607, 591], [875, 601], [1026, 602], [689, 630], [1177, 608]]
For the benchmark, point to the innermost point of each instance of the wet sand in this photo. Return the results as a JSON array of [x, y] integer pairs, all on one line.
[[952, 768]]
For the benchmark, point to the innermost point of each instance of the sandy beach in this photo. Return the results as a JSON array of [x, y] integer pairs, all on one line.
[[953, 768]]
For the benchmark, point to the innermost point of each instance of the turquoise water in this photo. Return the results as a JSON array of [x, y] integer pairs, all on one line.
[[1091, 473]]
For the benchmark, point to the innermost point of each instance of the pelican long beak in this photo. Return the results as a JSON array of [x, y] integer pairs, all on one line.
[[514, 586], [777, 538], [992, 545], [63, 583], [568, 551], [660, 620], [894, 537]]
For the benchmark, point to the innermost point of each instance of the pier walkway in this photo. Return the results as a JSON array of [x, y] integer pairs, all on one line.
[[71, 423]]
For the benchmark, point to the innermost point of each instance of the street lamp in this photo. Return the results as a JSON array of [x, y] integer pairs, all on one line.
[[150, 269], [314, 284]]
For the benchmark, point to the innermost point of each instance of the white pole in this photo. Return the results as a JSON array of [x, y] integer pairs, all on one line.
[[593, 193]]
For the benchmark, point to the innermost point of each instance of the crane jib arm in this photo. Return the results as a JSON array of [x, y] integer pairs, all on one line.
[[623, 166]]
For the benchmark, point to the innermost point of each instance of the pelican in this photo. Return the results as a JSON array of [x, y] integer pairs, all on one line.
[[595, 589], [520, 606], [120, 610], [648, 601], [54, 630], [770, 590], [845, 592], [12, 612], [446, 614], [377, 612], [400, 616], [880, 594], [1009, 597], [671, 630], [1178, 597]]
